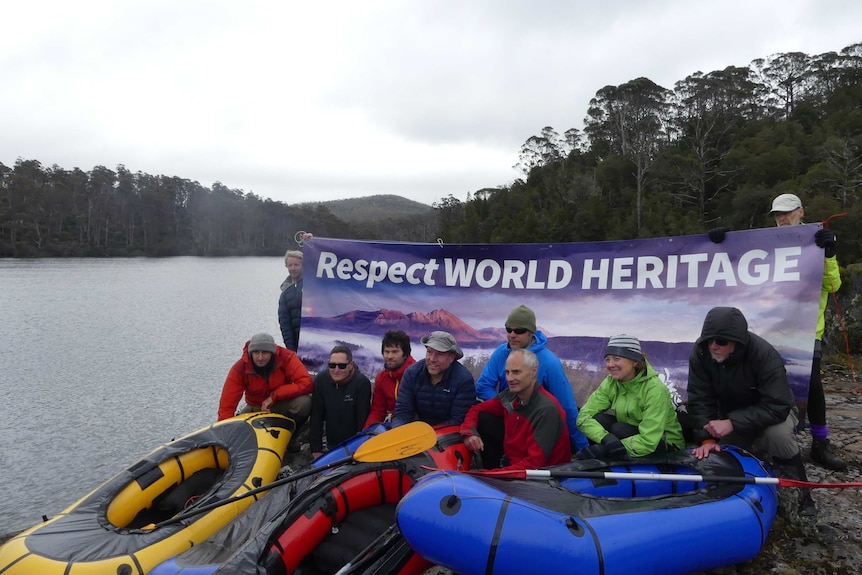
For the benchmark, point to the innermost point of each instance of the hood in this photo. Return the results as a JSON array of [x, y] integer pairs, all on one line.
[[540, 343], [726, 322]]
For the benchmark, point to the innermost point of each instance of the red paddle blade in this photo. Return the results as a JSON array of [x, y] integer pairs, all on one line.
[[782, 482]]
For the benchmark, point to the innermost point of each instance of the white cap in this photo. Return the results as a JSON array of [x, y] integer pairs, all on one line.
[[785, 203]]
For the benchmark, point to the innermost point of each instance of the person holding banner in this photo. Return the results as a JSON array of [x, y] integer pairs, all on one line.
[[522, 334], [738, 394], [534, 422], [290, 300], [437, 390], [788, 211], [644, 420]]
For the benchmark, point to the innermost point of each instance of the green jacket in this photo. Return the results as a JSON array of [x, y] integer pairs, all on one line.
[[831, 283], [643, 402]]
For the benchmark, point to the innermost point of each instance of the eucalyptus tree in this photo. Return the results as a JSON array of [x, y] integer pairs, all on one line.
[[631, 120]]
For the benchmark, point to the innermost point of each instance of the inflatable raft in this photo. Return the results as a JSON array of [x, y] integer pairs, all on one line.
[[480, 526], [109, 531], [338, 521]]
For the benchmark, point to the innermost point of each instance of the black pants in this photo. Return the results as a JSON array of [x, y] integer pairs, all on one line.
[[816, 401], [492, 431], [621, 430]]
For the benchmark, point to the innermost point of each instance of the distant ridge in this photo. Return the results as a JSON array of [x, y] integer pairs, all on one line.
[[374, 208]]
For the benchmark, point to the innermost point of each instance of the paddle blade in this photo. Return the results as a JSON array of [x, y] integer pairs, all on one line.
[[397, 443]]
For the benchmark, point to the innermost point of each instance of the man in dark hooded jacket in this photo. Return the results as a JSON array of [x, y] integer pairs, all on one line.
[[738, 395]]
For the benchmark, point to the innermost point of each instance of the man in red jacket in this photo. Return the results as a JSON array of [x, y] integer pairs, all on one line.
[[535, 425], [396, 358], [273, 379]]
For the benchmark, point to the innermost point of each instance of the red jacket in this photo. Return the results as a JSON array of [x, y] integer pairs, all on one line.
[[288, 379], [385, 391], [535, 433]]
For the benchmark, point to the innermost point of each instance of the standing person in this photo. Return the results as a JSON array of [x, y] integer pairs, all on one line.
[[522, 334], [273, 379], [534, 422], [437, 390], [788, 211], [396, 359], [290, 300], [738, 395], [644, 420], [340, 401]]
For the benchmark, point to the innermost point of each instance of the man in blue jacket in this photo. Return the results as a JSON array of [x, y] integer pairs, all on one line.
[[437, 390], [522, 334]]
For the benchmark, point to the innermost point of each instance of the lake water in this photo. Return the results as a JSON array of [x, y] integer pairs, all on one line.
[[103, 360]]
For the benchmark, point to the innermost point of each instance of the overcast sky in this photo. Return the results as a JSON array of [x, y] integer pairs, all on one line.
[[305, 101]]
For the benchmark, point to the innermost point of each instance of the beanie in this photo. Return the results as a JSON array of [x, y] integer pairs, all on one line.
[[261, 342], [522, 316], [625, 346]]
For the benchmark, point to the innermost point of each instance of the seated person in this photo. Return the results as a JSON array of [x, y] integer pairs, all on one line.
[[535, 433], [644, 419], [273, 379], [437, 390], [396, 359], [340, 402]]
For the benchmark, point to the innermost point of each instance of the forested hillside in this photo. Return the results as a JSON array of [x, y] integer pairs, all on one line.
[[713, 150]]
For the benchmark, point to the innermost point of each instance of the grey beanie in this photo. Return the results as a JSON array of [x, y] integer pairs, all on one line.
[[625, 346], [522, 316], [261, 342], [443, 342]]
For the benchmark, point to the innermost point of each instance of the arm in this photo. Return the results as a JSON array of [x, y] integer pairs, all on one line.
[[318, 415], [600, 400], [377, 413], [831, 275], [297, 381], [362, 402], [776, 398], [405, 404], [702, 401], [231, 392], [547, 427], [465, 395], [553, 378], [491, 381], [284, 320]]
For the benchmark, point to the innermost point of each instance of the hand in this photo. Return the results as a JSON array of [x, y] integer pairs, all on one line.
[[827, 240], [267, 403], [614, 447], [717, 235], [474, 443], [704, 450], [594, 451], [718, 428]]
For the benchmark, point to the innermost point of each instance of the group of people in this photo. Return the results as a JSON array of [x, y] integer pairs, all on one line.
[[521, 412]]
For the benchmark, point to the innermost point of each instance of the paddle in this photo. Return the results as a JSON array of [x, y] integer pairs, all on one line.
[[398, 443], [633, 476]]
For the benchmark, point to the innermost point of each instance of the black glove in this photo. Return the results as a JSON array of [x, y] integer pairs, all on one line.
[[594, 451], [614, 448], [717, 235], [827, 240]]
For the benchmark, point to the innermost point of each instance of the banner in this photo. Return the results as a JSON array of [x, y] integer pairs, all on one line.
[[658, 290]]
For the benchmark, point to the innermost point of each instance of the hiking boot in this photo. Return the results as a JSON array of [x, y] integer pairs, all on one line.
[[822, 454], [807, 508]]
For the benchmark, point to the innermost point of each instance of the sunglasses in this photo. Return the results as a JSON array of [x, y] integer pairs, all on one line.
[[719, 341], [338, 365], [518, 330]]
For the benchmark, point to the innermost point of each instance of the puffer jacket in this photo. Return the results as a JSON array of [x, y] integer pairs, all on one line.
[[444, 403], [644, 402], [290, 314], [750, 387], [287, 379]]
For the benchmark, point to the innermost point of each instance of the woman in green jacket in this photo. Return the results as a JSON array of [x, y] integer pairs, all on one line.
[[642, 419]]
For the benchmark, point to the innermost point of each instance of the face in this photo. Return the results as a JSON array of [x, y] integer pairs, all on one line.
[[721, 352], [260, 357], [437, 362], [393, 357], [793, 218], [519, 376], [339, 373], [621, 368], [294, 268], [519, 340]]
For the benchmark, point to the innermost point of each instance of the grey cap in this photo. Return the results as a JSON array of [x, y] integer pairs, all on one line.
[[261, 342], [625, 346], [785, 203], [443, 341]]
